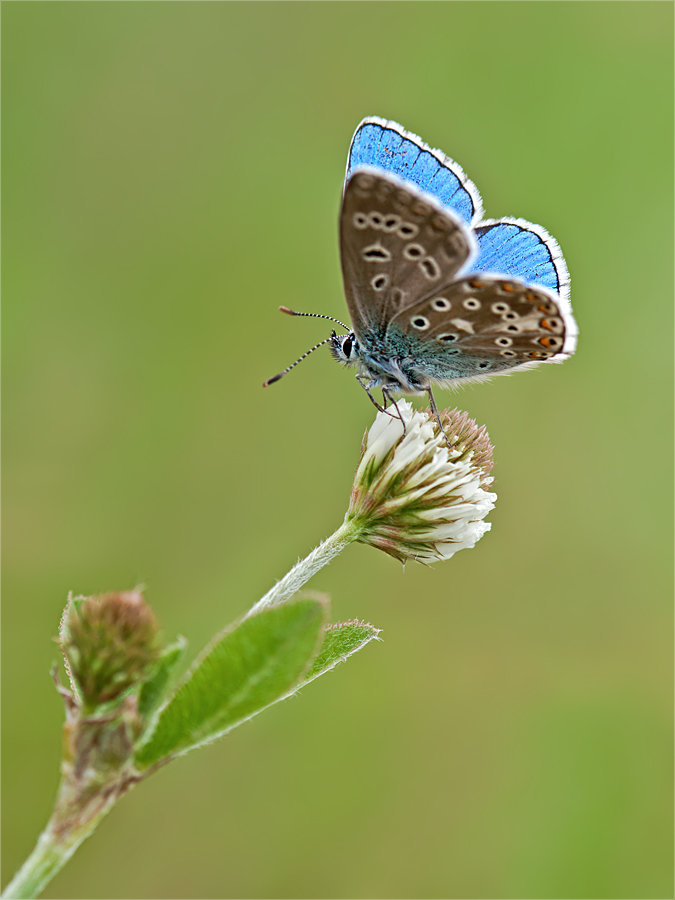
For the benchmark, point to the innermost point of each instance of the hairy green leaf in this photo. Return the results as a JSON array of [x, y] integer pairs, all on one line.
[[153, 690], [340, 641], [248, 667]]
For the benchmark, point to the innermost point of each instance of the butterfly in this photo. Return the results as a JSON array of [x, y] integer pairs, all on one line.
[[436, 294]]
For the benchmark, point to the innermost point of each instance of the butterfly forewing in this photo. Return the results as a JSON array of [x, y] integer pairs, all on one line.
[[397, 246], [495, 319], [386, 145]]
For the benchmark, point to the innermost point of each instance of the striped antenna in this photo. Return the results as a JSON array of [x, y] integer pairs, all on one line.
[[304, 356], [292, 312]]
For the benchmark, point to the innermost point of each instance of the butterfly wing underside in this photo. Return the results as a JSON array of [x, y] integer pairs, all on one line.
[[487, 324], [397, 246]]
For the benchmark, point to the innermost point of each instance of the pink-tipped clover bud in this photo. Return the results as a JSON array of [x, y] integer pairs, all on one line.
[[110, 643]]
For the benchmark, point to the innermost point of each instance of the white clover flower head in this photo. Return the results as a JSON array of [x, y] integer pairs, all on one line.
[[416, 497]]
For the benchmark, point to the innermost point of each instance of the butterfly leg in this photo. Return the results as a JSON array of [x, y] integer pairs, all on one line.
[[434, 410], [388, 398], [372, 399]]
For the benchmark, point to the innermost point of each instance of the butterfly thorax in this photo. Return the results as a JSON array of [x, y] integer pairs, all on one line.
[[378, 363]]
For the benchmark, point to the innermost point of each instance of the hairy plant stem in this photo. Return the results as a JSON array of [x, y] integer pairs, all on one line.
[[302, 571], [78, 809]]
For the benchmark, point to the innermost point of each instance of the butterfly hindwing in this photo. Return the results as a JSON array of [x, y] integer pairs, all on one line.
[[521, 250], [397, 245], [484, 324]]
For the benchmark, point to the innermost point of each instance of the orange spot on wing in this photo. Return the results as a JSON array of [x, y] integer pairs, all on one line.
[[508, 287]]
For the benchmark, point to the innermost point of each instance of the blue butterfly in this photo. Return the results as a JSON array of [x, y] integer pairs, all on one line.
[[437, 294]]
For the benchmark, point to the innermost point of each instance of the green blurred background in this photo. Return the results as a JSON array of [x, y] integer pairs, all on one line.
[[172, 173]]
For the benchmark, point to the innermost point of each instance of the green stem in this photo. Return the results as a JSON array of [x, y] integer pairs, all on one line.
[[291, 583], [55, 846]]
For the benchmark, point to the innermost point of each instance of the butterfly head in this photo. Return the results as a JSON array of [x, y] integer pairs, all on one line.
[[344, 348]]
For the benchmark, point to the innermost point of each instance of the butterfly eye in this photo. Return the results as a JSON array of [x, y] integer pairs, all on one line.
[[407, 230], [379, 282], [420, 322], [347, 346], [360, 221], [440, 303], [503, 341], [447, 338], [500, 308], [413, 251], [471, 303]]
